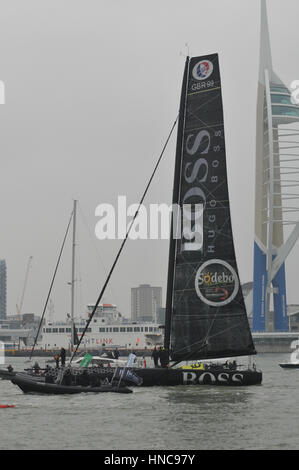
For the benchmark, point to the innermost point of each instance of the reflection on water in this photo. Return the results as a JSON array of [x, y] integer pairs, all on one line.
[[207, 395], [192, 417]]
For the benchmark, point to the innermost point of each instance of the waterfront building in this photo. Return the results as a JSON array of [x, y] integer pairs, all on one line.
[[145, 303]]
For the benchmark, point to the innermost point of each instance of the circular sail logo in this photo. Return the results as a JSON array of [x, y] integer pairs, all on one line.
[[202, 70], [216, 283]]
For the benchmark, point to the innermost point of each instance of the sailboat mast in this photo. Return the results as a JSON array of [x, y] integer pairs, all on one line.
[[73, 275], [175, 200]]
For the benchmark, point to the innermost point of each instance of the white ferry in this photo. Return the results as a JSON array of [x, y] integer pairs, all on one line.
[[108, 329]]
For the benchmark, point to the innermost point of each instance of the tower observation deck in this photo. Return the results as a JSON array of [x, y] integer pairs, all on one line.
[[277, 190]]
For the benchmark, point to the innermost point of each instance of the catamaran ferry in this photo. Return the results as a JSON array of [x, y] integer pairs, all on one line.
[[108, 328]]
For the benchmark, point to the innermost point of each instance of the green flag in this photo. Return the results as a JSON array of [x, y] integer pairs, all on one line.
[[86, 360]]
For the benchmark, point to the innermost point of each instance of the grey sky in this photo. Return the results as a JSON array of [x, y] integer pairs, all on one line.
[[92, 89]]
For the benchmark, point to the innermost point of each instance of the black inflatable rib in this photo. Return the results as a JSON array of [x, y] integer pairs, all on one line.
[[31, 386]]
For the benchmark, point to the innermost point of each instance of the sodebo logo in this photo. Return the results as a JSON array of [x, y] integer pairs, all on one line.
[[215, 278], [216, 283]]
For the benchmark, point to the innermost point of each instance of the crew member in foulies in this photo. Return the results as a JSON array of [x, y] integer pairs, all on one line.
[[56, 359], [116, 354], [164, 358], [155, 356]]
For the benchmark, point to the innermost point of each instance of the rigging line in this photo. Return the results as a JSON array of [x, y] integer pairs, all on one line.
[[205, 125], [206, 103], [124, 241], [103, 267], [197, 109], [213, 336], [52, 282], [189, 355], [204, 341]]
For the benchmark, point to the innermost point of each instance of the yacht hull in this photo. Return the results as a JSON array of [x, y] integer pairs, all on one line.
[[289, 365], [221, 376]]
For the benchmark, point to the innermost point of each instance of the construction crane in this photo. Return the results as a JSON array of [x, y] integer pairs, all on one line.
[[19, 307]]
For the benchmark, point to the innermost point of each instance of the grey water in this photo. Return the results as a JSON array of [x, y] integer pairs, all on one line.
[[158, 418]]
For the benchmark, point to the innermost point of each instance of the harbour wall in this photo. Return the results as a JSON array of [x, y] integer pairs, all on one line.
[[264, 343]]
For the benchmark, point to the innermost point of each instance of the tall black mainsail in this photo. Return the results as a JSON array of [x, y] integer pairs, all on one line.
[[205, 310]]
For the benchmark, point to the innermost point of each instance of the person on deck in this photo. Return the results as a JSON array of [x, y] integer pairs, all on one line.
[[36, 368], [155, 356], [164, 359], [116, 354], [56, 358], [233, 365]]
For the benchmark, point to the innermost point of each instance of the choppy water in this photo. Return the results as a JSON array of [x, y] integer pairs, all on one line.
[[180, 418]]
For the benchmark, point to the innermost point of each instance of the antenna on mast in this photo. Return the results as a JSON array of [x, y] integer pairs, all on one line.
[[188, 51]]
